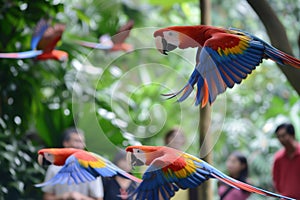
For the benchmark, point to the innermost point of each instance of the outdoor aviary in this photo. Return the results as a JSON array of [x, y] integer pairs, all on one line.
[[97, 99]]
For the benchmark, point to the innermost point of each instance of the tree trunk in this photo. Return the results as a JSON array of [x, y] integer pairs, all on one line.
[[278, 37], [205, 190]]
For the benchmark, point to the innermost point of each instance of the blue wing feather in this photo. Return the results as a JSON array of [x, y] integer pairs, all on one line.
[[270, 51], [158, 182], [39, 31], [21, 55], [71, 172], [74, 172]]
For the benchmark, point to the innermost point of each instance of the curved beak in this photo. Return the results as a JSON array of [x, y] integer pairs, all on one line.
[[43, 161], [159, 44], [40, 159], [163, 46], [133, 160]]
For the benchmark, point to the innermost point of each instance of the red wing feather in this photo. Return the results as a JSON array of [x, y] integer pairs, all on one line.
[[123, 33]]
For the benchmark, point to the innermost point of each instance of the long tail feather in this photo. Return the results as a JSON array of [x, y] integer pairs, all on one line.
[[249, 188], [189, 87], [21, 55], [101, 46], [202, 95], [186, 91], [281, 57]]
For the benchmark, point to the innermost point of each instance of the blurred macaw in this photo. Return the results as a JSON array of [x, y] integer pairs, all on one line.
[[170, 169], [116, 43], [224, 57], [43, 42], [78, 166]]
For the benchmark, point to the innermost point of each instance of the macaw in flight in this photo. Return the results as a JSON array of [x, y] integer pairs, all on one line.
[[116, 43], [43, 42], [78, 166], [170, 169], [225, 57]]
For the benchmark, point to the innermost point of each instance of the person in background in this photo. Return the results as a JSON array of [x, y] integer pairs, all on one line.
[[286, 166], [117, 187], [237, 167], [72, 138], [175, 138]]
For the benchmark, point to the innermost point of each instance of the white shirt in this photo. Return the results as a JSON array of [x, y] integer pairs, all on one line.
[[92, 189]]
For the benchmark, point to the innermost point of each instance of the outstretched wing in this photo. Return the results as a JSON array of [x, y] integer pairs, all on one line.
[[21, 55], [162, 180], [123, 33], [271, 52], [85, 166], [227, 59], [50, 37], [38, 33], [202, 94]]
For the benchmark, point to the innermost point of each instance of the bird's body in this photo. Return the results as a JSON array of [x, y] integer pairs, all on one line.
[[78, 166], [170, 169], [43, 42], [225, 57]]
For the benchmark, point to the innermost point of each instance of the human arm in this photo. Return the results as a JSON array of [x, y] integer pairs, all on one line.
[[275, 175]]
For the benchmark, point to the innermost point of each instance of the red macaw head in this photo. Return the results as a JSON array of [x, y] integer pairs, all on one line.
[[56, 156], [168, 39], [142, 155]]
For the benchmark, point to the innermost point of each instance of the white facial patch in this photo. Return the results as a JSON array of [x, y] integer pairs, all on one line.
[[140, 155], [172, 37], [49, 157], [158, 43]]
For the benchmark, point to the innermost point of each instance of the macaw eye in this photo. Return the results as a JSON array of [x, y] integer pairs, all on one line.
[[138, 151], [170, 33]]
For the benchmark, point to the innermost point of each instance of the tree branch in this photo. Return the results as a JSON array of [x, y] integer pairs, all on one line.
[[278, 37]]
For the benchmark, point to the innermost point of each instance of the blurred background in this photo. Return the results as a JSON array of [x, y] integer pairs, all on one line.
[[115, 97]]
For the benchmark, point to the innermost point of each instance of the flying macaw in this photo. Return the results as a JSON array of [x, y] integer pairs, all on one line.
[[43, 42], [78, 166], [224, 57], [170, 169], [116, 43]]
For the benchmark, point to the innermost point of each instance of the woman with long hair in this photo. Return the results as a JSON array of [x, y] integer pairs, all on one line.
[[237, 167]]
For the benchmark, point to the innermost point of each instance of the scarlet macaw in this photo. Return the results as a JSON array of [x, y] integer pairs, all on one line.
[[170, 169], [43, 42], [78, 166], [116, 43], [224, 57]]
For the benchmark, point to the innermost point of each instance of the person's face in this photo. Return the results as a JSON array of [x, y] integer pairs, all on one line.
[[76, 141], [234, 166], [283, 137], [176, 141]]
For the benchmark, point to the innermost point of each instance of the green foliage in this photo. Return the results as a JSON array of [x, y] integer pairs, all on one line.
[[116, 97], [19, 169]]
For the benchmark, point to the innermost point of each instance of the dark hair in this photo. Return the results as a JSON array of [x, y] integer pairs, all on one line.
[[243, 160], [171, 133], [288, 127], [69, 131]]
